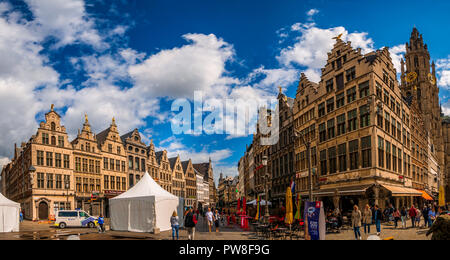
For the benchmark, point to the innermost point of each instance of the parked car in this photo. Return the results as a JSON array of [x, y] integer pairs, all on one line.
[[74, 218]]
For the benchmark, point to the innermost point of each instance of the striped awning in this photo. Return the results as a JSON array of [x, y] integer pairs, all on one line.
[[402, 191], [425, 195]]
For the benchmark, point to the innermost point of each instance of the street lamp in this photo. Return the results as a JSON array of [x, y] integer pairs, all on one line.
[[298, 134], [266, 177]]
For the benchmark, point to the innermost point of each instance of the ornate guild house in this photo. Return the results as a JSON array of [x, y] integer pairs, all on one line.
[[373, 140], [49, 173]]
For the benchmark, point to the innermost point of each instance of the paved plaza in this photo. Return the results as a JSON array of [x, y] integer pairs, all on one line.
[[45, 231]]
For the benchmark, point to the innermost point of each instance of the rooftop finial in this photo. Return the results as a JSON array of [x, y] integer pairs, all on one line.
[[52, 107], [86, 118], [338, 38]]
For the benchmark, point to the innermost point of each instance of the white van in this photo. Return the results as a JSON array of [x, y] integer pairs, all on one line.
[[74, 218]]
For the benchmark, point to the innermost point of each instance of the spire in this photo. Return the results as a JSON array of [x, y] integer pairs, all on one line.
[[86, 125]]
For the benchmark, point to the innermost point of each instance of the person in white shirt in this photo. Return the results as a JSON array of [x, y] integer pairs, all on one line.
[[209, 217]]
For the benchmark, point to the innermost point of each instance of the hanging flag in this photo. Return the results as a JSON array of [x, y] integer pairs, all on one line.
[[292, 187]]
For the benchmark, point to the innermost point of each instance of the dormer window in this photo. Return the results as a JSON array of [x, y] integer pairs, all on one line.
[[53, 126]]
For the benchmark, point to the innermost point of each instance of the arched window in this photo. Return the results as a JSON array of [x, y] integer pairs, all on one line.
[[53, 126], [416, 61]]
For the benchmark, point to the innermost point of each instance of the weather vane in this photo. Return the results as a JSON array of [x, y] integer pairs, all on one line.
[[338, 37]]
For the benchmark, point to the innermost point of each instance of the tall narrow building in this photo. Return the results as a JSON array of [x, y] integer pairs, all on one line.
[[419, 83], [114, 169], [87, 175]]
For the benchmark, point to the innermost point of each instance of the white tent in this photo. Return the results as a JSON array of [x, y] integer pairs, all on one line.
[[144, 207], [9, 215], [261, 203]]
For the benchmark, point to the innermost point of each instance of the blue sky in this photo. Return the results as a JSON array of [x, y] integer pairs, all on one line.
[[131, 59]]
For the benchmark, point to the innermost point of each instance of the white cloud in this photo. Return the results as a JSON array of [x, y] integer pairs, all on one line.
[[22, 70], [312, 45], [446, 109], [272, 78], [65, 20], [3, 161], [311, 13], [176, 147], [178, 72], [397, 53], [443, 72]]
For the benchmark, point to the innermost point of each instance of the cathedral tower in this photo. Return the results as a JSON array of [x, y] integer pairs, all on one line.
[[419, 83]]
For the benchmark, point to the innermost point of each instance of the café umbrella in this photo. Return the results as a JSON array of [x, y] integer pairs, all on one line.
[[289, 207]]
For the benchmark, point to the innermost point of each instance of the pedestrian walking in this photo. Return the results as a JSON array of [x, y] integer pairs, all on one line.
[[189, 222], [20, 216], [356, 222], [391, 211], [377, 218], [209, 218], [418, 216], [386, 215], [175, 225], [425, 216], [217, 220], [367, 219], [412, 214], [404, 216], [396, 216], [431, 216], [101, 223]]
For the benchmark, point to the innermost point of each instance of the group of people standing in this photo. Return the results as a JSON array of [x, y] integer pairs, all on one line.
[[374, 215], [191, 217]]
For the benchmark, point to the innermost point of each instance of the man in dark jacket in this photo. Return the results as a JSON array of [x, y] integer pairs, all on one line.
[[189, 222], [377, 217], [425, 215]]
